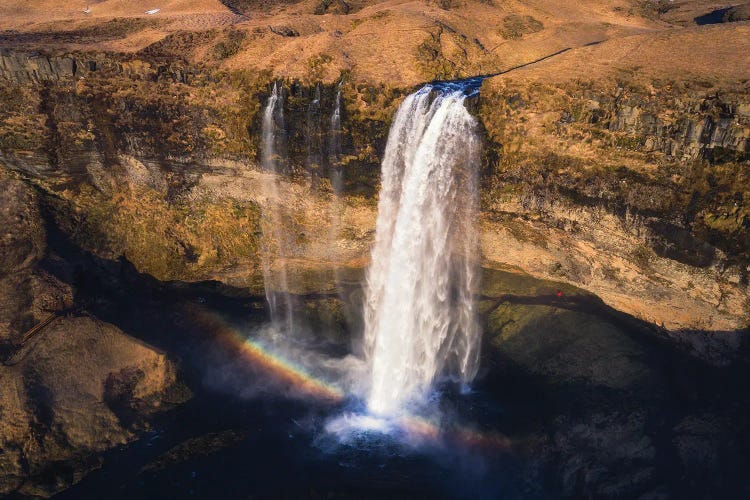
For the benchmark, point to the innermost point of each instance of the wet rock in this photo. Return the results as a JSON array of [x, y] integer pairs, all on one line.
[[196, 447]]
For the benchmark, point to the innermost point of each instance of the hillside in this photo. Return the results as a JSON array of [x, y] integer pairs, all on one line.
[[394, 41]]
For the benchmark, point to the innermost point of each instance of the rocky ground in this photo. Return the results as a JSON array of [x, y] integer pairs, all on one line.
[[79, 386], [618, 166]]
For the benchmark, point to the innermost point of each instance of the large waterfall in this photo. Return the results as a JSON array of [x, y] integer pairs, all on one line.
[[419, 312], [274, 243]]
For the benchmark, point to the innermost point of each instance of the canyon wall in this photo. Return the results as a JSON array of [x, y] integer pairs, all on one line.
[[636, 193]]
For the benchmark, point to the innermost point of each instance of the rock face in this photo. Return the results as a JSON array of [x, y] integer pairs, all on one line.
[[632, 192], [609, 256], [23, 67], [30, 291], [710, 128], [76, 388], [614, 404], [632, 189]]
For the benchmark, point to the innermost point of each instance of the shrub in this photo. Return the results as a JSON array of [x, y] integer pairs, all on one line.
[[230, 46], [515, 27]]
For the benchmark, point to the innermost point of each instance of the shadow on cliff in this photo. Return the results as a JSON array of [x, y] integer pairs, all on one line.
[[158, 312], [149, 310], [707, 345], [608, 409]]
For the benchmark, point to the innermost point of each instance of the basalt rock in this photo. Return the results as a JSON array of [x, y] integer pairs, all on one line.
[[25, 67]]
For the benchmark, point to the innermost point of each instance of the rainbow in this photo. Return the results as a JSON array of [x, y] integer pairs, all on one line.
[[304, 383], [464, 436], [289, 372], [235, 344]]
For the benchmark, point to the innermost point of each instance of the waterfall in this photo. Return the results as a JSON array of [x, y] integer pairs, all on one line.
[[419, 313], [334, 146], [336, 178], [274, 242], [313, 132]]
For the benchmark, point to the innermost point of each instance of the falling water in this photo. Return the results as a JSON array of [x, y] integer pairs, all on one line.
[[336, 178], [274, 241], [334, 146], [313, 144], [419, 313]]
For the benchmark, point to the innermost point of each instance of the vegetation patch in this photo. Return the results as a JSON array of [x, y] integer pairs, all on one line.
[[331, 7], [168, 240], [446, 54], [447, 4], [180, 44], [515, 27], [653, 9], [317, 66], [229, 47]]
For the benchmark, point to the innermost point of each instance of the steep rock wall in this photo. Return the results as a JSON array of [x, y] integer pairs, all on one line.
[[634, 194]]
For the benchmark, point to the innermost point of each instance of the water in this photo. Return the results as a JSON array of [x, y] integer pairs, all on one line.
[[335, 144], [419, 314], [337, 184], [274, 242], [313, 144]]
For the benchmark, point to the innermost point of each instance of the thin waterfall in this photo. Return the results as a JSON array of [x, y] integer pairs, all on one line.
[[419, 310], [336, 177], [313, 143], [334, 146], [274, 242]]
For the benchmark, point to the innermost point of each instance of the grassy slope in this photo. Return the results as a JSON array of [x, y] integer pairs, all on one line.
[[402, 43]]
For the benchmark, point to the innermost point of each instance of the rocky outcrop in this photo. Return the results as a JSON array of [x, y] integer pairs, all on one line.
[[711, 127], [76, 387], [635, 194], [25, 67], [83, 388], [611, 256], [22, 67]]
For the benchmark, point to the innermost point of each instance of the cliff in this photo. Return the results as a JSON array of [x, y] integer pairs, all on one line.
[[648, 172]]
